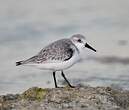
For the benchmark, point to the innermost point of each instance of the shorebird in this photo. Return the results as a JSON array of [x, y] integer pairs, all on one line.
[[59, 55]]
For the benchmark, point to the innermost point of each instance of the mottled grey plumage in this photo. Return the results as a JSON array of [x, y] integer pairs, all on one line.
[[60, 50], [59, 55]]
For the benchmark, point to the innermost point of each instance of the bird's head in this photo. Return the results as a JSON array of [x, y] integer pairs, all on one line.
[[80, 42]]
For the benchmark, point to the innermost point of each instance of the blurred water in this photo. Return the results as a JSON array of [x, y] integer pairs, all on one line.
[[27, 26]]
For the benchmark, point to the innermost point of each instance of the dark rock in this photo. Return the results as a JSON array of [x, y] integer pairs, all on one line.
[[79, 98]]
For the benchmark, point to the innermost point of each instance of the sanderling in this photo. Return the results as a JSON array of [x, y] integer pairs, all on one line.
[[59, 55]]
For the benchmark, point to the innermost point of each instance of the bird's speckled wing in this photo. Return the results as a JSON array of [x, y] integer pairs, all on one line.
[[60, 50]]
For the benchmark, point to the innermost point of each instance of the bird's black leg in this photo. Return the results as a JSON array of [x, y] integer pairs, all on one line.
[[55, 79], [66, 79]]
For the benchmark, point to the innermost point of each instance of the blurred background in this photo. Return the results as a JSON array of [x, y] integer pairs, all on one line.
[[26, 26]]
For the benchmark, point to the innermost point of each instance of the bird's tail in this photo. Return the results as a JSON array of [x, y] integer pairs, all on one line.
[[19, 63]]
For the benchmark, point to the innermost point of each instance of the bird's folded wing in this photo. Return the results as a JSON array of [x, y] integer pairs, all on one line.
[[58, 51]]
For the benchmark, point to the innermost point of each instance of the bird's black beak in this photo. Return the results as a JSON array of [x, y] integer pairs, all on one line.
[[88, 46]]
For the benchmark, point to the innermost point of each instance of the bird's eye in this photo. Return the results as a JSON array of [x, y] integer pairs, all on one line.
[[79, 40]]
